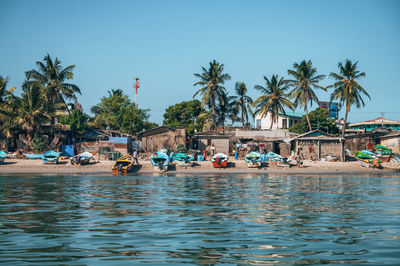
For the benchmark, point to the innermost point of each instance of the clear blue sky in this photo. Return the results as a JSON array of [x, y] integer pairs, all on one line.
[[165, 42]]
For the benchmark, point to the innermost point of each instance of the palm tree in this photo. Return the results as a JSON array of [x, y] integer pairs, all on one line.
[[242, 102], [347, 90], [305, 79], [30, 113], [211, 81], [52, 76], [274, 98], [8, 108], [4, 93]]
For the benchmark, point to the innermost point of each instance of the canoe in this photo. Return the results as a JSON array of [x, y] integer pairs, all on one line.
[[82, 158], [160, 160], [253, 159], [219, 160], [3, 155], [123, 165], [183, 159], [273, 157], [368, 159], [51, 157], [382, 150], [33, 156]]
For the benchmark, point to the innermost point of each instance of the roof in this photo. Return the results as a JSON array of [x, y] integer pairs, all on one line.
[[379, 121], [393, 134], [155, 131], [292, 114], [316, 134], [211, 134]]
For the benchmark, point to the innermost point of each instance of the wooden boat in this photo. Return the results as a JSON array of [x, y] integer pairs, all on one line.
[[183, 159], [383, 153], [253, 159], [3, 155], [123, 165], [220, 160], [82, 158], [160, 160], [51, 157], [33, 156], [368, 159]]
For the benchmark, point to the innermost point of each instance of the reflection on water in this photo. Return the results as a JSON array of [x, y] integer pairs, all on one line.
[[237, 219]]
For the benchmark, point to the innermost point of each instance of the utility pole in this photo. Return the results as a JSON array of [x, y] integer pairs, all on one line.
[[382, 114], [136, 86]]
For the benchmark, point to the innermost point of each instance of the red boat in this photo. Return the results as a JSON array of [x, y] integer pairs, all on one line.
[[219, 160]]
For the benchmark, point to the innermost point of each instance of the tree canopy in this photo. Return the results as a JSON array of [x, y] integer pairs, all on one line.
[[319, 119]]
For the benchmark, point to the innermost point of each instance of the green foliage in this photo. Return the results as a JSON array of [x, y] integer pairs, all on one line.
[[77, 121], [242, 103], [319, 119], [39, 143], [184, 114], [117, 112]]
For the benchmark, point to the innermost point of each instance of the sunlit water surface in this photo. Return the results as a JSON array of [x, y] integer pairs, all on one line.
[[226, 219]]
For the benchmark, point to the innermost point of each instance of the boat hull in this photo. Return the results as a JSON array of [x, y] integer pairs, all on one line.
[[253, 165], [384, 158], [222, 164], [123, 165]]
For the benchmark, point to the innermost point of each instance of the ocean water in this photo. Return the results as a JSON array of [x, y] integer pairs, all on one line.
[[200, 220]]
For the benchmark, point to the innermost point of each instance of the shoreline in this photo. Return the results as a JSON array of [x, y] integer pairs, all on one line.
[[22, 166]]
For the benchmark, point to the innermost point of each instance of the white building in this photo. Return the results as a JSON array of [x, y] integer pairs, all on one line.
[[283, 121]]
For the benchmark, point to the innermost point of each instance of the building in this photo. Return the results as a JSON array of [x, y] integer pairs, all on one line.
[[315, 145], [211, 140], [162, 137], [392, 141], [283, 121], [379, 122], [363, 141]]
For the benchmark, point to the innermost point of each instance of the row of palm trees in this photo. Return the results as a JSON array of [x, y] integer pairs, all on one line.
[[43, 94], [278, 94]]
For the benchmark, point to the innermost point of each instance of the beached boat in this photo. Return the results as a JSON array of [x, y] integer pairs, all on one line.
[[3, 155], [383, 153], [183, 159], [219, 160], [82, 158], [33, 156], [51, 157], [123, 165], [253, 159], [160, 160], [368, 159], [277, 159]]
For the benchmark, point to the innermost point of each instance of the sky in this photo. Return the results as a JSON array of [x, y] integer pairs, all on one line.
[[165, 42]]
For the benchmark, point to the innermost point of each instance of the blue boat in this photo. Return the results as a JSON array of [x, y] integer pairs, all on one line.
[[183, 159], [3, 155], [253, 159], [33, 156], [160, 160], [51, 157]]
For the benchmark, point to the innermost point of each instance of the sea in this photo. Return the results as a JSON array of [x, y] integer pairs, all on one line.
[[224, 219]]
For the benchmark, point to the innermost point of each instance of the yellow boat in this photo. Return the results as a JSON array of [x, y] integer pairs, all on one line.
[[123, 165]]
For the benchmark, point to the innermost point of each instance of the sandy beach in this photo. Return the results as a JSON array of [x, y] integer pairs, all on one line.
[[20, 166]]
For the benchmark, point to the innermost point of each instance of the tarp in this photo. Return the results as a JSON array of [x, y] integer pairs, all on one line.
[[67, 150]]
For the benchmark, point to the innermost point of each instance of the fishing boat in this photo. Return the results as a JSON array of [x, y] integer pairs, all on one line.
[[277, 159], [383, 153], [219, 160], [51, 157], [82, 158], [183, 159], [253, 159], [160, 160], [3, 155], [368, 159], [33, 156], [123, 165]]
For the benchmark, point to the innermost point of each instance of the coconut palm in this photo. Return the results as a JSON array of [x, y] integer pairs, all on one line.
[[305, 79], [242, 102], [346, 88], [52, 76], [31, 114], [4, 92], [211, 81], [273, 99]]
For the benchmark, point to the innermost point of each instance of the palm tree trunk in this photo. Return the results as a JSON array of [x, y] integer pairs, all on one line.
[[308, 119], [213, 113], [345, 121], [272, 121], [242, 119], [28, 140]]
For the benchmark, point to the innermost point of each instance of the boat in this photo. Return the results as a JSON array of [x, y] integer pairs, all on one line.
[[383, 153], [3, 155], [183, 159], [33, 156], [368, 159], [123, 165], [396, 157], [253, 159], [277, 159], [160, 160], [51, 157], [82, 158], [219, 160]]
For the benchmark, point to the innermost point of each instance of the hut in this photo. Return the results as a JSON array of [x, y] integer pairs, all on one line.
[[315, 145], [162, 137], [212, 140]]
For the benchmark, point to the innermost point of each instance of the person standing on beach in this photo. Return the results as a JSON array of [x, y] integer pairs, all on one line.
[[135, 156]]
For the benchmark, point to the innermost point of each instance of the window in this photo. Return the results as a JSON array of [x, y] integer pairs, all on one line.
[[284, 123], [209, 142]]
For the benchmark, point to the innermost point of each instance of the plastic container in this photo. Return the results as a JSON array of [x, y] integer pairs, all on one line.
[[200, 158]]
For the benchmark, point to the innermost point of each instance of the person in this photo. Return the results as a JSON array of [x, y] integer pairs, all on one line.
[[135, 156], [236, 154], [205, 154]]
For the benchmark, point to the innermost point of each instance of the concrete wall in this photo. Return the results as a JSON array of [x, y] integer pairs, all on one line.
[[220, 144], [359, 142], [168, 140], [282, 122], [392, 143]]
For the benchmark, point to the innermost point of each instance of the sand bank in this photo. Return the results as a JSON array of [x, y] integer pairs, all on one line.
[[16, 166]]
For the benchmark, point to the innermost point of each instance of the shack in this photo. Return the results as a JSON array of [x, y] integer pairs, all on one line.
[[392, 141], [315, 145], [363, 141], [162, 137], [212, 140]]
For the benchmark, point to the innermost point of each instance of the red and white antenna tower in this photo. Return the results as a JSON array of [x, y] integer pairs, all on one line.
[[136, 86]]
